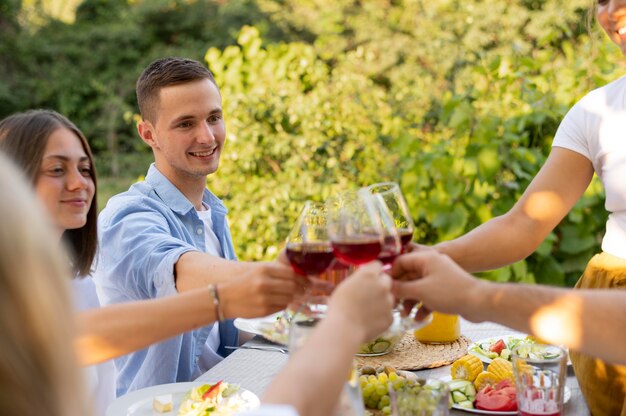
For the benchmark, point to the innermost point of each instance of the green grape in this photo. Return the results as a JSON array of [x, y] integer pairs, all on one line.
[[368, 390], [387, 410], [385, 400]]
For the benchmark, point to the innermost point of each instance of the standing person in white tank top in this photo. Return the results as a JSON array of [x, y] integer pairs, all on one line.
[[591, 139]]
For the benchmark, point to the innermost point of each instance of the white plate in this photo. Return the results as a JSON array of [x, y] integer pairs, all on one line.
[[263, 327], [139, 402], [567, 394], [491, 340]]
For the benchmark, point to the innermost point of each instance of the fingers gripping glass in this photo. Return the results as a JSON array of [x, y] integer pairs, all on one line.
[[395, 216]]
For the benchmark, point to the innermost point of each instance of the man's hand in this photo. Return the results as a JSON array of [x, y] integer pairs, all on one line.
[[260, 289], [435, 280]]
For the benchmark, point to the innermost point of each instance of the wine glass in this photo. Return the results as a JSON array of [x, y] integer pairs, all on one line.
[[356, 227], [310, 254], [389, 195]]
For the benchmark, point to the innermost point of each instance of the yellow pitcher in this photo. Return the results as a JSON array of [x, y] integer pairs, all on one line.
[[444, 328]]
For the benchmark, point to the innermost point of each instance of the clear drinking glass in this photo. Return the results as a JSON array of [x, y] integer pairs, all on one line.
[[429, 398], [540, 372]]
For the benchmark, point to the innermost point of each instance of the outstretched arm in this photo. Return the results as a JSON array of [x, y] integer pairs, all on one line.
[[315, 374], [513, 236], [590, 321], [108, 332]]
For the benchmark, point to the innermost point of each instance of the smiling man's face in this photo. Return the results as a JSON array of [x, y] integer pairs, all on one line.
[[188, 134]]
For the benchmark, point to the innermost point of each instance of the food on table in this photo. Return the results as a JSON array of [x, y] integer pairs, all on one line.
[[502, 368], [466, 368], [485, 378], [381, 345], [462, 393], [163, 403], [501, 397], [492, 389], [502, 347], [376, 385], [211, 399]]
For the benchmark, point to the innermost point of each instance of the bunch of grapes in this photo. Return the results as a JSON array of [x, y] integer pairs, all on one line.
[[419, 397], [375, 389]]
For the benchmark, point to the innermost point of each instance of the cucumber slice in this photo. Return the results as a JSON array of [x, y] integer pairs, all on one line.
[[380, 346], [458, 397], [466, 404], [459, 384], [470, 390]]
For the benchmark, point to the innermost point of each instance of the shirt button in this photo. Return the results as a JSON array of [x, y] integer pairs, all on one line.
[[199, 231]]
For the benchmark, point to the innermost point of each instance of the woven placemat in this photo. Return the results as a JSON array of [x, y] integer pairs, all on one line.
[[410, 354]]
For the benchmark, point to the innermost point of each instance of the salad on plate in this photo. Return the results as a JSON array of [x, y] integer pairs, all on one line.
[[501, 347], [219, 399]]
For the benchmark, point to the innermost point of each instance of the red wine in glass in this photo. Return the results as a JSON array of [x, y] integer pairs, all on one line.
[[310, 258], [406, 235], [357, 251]]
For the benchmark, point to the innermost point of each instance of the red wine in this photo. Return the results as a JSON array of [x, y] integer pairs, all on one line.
[[387, 258], [357, 251], [310, 258], [406, 236]]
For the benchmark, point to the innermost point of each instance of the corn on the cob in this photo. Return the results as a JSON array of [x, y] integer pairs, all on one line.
[[466, 368], [485, 378], [502, 369]]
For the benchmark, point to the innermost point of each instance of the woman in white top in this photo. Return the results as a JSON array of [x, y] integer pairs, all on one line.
[[56, 157], [591, 138]]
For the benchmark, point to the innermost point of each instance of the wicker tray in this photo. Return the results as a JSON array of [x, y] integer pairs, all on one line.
[[410, 354]]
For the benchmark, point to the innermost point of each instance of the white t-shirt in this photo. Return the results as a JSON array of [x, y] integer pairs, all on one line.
[[209, 356], [100, 377], [596, 128]]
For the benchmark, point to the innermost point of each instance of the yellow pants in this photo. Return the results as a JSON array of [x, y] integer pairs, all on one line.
[[604, 385]]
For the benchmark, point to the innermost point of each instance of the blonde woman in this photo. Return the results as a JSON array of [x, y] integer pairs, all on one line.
[[38, 371]]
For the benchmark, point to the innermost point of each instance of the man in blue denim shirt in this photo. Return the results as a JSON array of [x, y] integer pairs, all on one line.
[[169, 234]]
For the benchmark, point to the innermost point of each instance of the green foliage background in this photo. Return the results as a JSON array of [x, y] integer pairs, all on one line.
[[458, 101]]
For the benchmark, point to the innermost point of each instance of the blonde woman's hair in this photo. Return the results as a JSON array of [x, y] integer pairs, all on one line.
[[39, 374]]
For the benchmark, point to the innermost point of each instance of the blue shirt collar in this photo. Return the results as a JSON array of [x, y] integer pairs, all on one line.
[[176, 200]]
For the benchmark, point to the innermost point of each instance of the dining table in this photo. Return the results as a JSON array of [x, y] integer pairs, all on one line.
[[254, 369]]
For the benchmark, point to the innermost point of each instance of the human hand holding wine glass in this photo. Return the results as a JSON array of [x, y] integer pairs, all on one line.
[[389, 195], [310, 254]]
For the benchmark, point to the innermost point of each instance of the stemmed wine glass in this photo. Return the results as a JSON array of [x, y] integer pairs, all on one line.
[[390, 195], [310, 254], [359, 228]]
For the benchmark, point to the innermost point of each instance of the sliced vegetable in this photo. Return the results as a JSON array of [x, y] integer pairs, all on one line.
[[498, 346], [486, 378], [502, 368], [501, 397], [213, 391], [466, 368]]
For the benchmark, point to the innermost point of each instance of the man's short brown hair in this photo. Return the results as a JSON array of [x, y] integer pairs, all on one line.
[[162, 73]]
